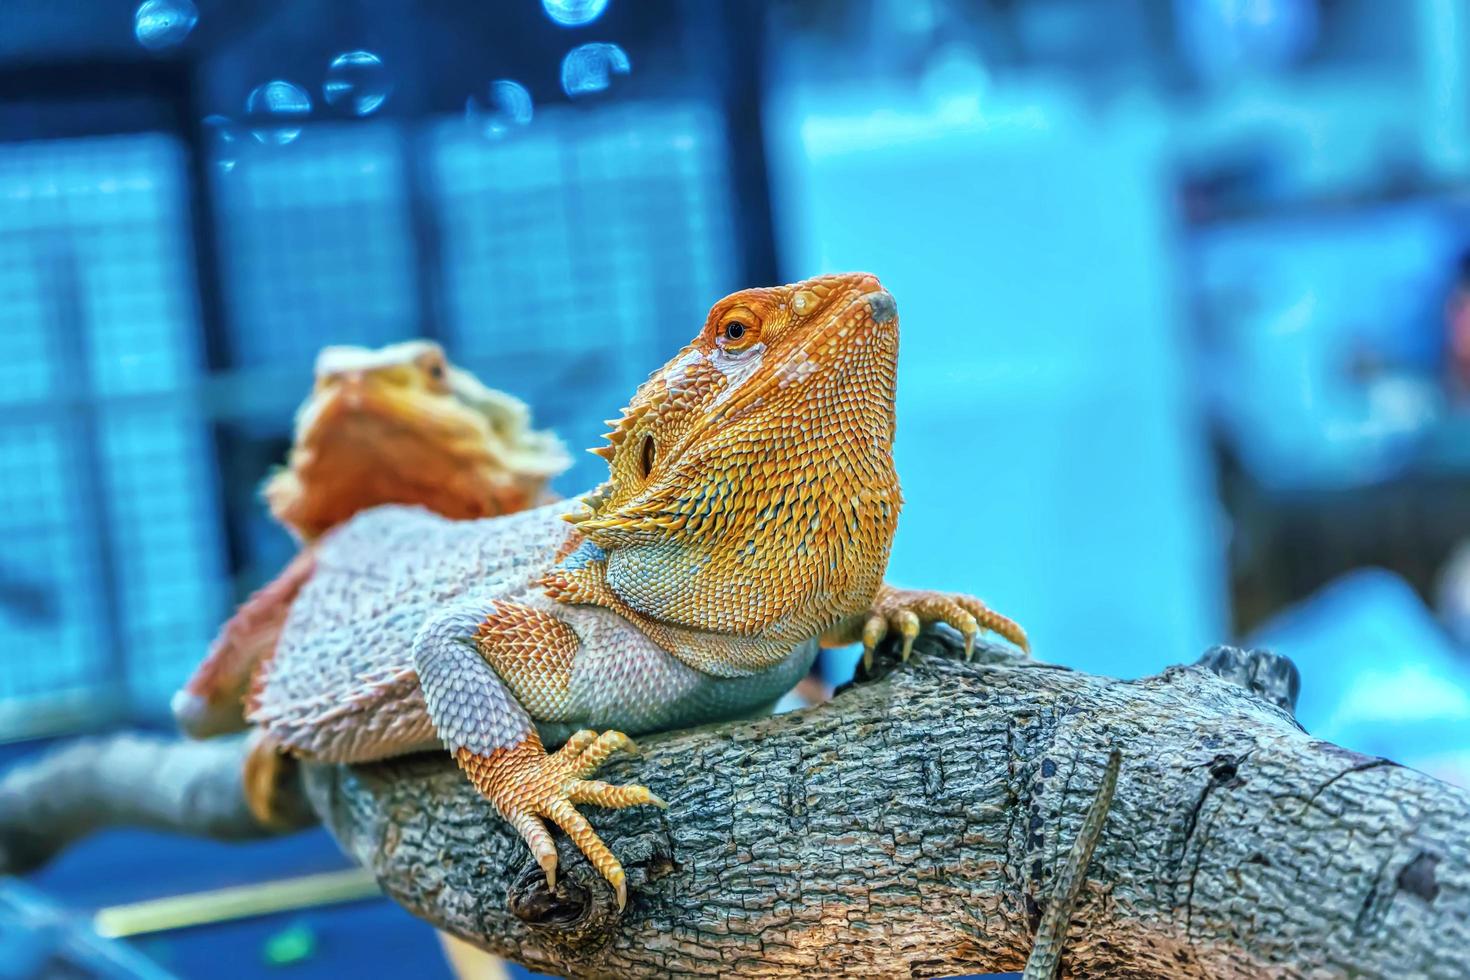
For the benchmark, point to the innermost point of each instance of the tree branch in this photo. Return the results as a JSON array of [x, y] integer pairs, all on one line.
[[918, 824], [129, 780]]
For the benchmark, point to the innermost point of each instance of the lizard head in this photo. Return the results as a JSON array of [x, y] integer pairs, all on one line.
[[402, 425], [751, 478]]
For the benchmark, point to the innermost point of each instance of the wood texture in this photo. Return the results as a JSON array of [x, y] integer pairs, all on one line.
[[915, 826]]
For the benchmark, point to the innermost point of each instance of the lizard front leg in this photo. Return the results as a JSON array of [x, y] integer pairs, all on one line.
[[484, 670], [907, 611]]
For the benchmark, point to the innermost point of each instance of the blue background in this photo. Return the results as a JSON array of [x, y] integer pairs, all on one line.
[[1178, 285]]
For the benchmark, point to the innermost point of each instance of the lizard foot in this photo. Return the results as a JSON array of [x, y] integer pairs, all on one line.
[[907, 611], [529, 786], [266, 781]]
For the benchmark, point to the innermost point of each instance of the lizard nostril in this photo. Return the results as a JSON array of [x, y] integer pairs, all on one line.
[[882, 305]]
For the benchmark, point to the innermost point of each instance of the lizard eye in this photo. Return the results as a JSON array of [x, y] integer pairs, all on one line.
[[435, 368], [736, 334], [646, 456]]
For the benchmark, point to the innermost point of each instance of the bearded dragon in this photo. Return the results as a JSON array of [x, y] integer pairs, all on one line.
[[395, 425], [748, 515]]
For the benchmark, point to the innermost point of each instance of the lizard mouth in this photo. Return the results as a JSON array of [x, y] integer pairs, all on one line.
[[372, 421]]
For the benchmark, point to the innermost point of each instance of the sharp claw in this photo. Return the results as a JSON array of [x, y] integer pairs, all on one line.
[[874, 629], [907, 623], [1007, 629], [548, 865], [655, 800], [622, 889], [969, 646]]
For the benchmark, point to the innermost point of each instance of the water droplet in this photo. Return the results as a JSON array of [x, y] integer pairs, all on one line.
[[222, 136], [588, 68], [160, 24], [574, 13], [508, 108], [358, 80], [280, 99]]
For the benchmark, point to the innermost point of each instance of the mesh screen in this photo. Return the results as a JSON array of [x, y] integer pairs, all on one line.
[[108, 502], [315, 244], [573, 258]]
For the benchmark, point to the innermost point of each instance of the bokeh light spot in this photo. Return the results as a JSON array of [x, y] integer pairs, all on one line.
[[574, 13], [160, 24], [589, 68], [282, 100], [509, 107], [358, 81]]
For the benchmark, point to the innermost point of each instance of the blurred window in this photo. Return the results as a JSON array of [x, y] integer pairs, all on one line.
[[110, 580], [562, 261], [316, 243]]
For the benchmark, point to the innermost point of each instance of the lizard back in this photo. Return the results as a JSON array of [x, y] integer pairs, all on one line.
[[347, 643]]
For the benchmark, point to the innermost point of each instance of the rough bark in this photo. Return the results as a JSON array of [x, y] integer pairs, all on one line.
[[917, 826]]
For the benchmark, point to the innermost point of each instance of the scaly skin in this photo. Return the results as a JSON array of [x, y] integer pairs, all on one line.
[[394, 425], [749, 511]]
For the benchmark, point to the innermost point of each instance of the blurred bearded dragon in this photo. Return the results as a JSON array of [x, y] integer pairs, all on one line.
[[397, 425]]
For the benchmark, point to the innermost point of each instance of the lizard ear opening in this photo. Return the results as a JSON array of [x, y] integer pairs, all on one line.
[[646, 456]]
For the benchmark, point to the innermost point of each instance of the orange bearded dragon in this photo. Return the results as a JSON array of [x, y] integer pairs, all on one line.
[[748, 515]]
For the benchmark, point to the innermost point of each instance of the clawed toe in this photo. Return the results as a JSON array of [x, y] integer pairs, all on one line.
[[602, 794], [874, 630], [579, 742], [533, 832], [586, 751], [907, 623], [906, 612], [530, 787]]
